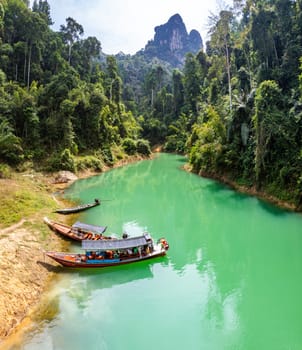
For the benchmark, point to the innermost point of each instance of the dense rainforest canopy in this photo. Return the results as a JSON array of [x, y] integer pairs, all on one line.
[[235, 108]]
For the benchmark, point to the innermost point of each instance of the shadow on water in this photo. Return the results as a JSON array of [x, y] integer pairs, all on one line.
[[272, 209], [181, 160], [217, 188]]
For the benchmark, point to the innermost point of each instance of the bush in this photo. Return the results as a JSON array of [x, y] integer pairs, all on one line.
[[5, 171], [107, 156], [10, 145], [174, 145], [129, 145], [143, 147], [63, 161], [67, 161], [89, 162], [118, 152]]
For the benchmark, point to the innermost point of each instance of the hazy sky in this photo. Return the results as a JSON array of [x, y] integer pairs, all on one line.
[[127, 25]]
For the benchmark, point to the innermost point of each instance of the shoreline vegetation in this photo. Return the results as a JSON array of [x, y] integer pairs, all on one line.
[[24, 275], [248, 190]]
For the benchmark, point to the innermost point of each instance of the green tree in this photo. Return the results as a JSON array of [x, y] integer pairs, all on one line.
[[71, 33], [113, 81], [178, 92], [269, 129], [192, 88], [220, 30], [43, 8], [36, 28], [207, 143], [10, 145]]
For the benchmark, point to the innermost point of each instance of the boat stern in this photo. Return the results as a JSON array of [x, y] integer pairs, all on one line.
[[164, 243]]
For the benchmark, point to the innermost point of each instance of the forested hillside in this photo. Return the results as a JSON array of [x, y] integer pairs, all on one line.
[[56, 100], [234, 108]]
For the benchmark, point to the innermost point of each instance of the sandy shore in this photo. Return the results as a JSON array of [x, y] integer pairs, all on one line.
[[24, 274]]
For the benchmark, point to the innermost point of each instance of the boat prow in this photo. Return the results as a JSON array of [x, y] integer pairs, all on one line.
[[78, 208], [79, 231]]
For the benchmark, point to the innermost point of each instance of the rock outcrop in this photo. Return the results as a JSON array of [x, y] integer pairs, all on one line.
[[172, 42]]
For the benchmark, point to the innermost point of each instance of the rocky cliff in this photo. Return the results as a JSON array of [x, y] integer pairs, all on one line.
[[172, 42]]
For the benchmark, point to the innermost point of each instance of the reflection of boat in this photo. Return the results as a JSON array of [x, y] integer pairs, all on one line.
[[78, 208], [78, 231], [87, 282], [106, 253]]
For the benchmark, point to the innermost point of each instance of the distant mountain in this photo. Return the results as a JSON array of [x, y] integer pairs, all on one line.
[[172, 42]]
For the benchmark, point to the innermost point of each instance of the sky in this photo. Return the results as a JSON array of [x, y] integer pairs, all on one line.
[[127, 25]]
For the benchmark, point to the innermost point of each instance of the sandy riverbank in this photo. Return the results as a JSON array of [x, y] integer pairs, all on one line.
[[24, 274]]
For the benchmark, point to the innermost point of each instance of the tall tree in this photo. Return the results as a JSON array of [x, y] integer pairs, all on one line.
[[36, 28], [86, 56], [71, 33], [113, 81], [192, 88], [220, 31], [43, 8], [178, 92], [268, 129]]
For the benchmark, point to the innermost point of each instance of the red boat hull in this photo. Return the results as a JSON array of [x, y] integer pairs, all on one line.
[[75, 260]]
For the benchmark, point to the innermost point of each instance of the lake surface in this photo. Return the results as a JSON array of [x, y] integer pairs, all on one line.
[[232, 278]]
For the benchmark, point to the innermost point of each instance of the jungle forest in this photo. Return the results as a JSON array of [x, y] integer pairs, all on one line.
[[234, 109]]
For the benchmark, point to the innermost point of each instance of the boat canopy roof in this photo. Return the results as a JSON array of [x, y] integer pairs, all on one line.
[[89, 228], [116, 244]]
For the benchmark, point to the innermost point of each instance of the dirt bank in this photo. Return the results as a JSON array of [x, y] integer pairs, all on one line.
[[23, 272], [24, 275]]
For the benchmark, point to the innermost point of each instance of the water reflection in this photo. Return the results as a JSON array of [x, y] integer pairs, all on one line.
[[90, 280]]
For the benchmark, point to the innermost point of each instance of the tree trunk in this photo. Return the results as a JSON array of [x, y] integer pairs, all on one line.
[[28, 70], [229, 74], [69, 53]]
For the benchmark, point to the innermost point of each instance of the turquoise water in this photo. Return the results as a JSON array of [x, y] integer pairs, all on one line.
[[231, 280]]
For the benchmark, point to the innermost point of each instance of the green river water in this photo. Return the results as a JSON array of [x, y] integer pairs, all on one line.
[[232, 278]]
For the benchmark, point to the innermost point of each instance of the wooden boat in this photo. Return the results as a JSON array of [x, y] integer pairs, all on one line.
[[78, 208], [105, 253], [78, 231]]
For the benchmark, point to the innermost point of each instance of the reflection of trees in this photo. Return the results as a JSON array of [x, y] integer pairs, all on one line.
[[219, 304]]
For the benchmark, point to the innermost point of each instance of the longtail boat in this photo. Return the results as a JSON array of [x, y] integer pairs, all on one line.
[[78, 231], [112, 253], [78, 208]]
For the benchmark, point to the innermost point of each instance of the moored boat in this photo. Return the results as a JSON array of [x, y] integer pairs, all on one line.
[[78, 208], [107, 253], [79, 231]]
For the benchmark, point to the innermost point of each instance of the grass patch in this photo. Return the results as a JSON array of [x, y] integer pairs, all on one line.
[[23, 197]]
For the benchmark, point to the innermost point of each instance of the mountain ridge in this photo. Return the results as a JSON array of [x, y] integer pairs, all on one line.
[[171, 42]]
